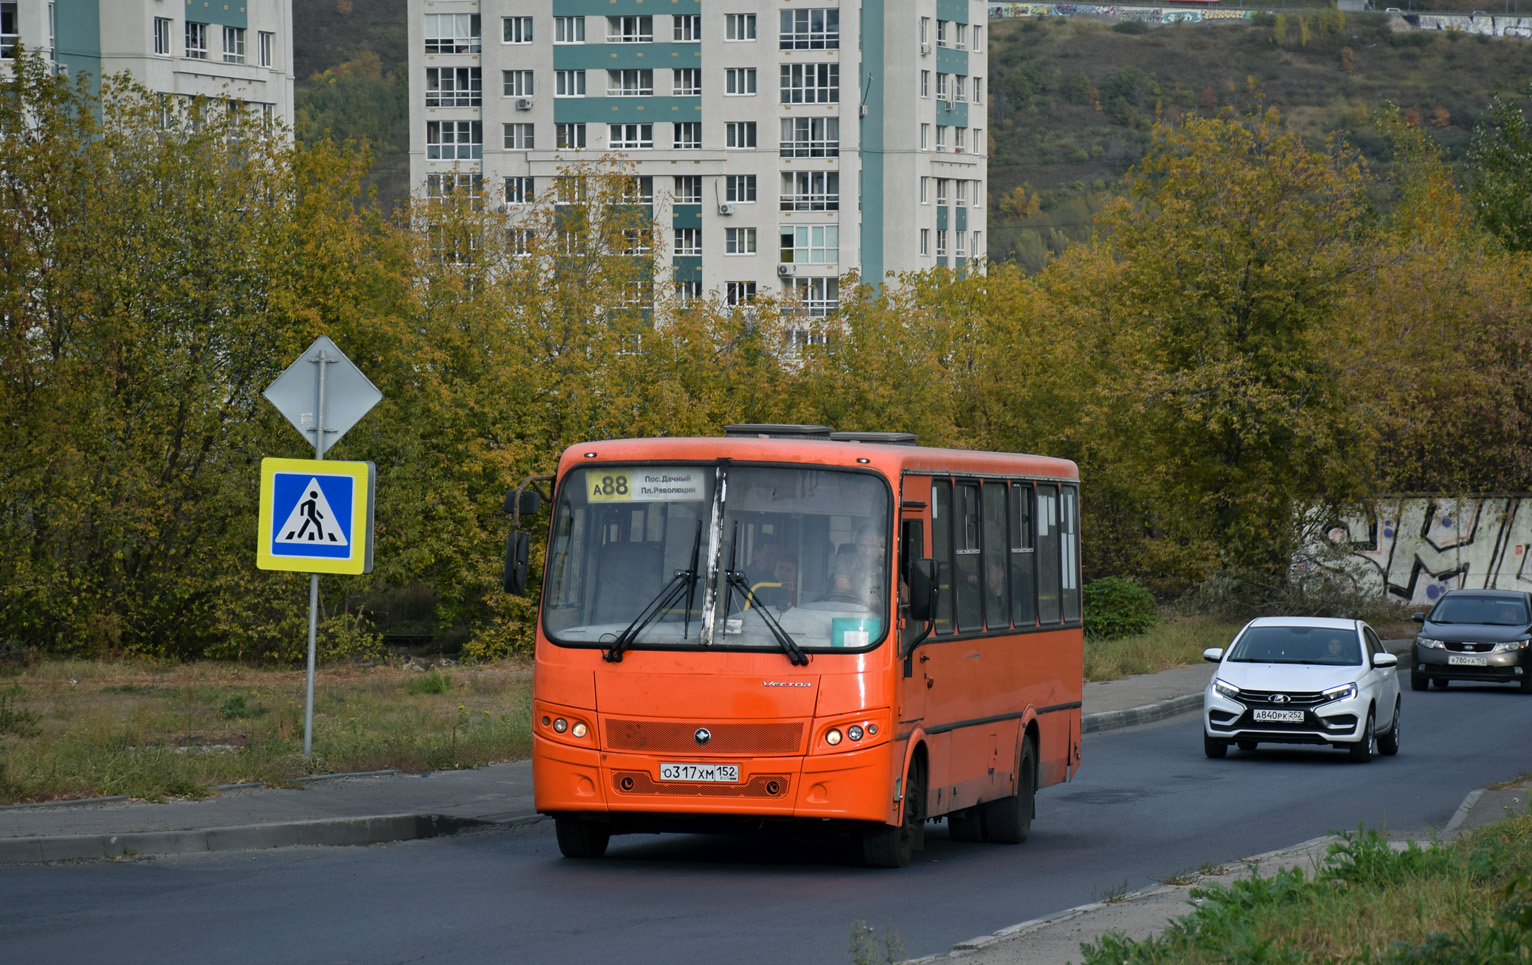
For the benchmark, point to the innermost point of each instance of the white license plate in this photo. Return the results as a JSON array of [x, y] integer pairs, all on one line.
[[701, 773], [1467, 660], [1284, 716]]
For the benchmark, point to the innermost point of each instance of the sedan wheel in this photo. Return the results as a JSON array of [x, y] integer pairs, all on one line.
[[1389, 743], [1214, 748], [1362, 750], [1417, 682]]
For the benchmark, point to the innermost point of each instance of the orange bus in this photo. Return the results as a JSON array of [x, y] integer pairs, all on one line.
[[792, 624]]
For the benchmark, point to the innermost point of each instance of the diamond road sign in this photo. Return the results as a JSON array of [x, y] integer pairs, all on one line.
[[323, 375]]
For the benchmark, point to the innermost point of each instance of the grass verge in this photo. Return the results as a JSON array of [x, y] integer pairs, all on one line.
[[1174, 642], [1467, 901], [72, 729]]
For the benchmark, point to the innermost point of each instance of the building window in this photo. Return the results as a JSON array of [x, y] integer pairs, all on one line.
[[629, 83], [925, 83], [442, 186], [978, 88], [688, 291], [925, 241], [941, 242], [737, 293], [453, 87], [630, 136], [686, 81], [978, 146], [820, 297], [630, 30], [265, 41], [960, 36], [925, 190], [961, 193], [161, 32], [516, 30], [739, 189], [741, 135], [516, 83], [452, 33], [570, 190], [810, 137], [639, 190], [941, 87], [959, 89], [941, 33], [569, 30], [519, 241], [196, 40], [739, 80], [941, 137], [688, 189], [978, 39], [976, 251], [739, 241], [925, 137], [959, 141], [569, 83], [518, 137], [810, 191], [959, 237], [686, 29], [810, 83], [925, 30], [454, 140], [978, 190], [941, 191], [813, 29], [518, 191], [688, 241], [234, 45], [569, 136], [739, 26], [687, 136]]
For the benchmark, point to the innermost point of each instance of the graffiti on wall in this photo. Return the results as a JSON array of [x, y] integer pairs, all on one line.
[[1411, 549]]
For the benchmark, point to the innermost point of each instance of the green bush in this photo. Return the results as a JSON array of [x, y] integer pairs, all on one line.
[[1117, 607]]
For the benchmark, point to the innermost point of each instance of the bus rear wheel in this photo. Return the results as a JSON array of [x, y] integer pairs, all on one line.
[[580, 837], [1009, 820], [893, 846]]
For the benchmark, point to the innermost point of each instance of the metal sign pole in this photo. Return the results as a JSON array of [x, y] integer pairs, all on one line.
[[308, 699]]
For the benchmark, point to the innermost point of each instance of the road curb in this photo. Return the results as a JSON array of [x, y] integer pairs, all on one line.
[[1148, 713]]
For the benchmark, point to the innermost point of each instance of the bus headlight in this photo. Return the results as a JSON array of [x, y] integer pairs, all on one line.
[[832, 736]]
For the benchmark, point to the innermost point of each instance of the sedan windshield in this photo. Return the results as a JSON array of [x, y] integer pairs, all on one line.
[[1315, 645], [1484, 610], [737, 557]]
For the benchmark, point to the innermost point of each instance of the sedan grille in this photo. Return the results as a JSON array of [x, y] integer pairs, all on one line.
[[1470, 647], [1282, 698]]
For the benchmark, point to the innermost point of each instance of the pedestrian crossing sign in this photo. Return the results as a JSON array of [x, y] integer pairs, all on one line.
[[316, 516]]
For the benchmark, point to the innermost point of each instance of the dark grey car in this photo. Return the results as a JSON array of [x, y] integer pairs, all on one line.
[[1474, 635]]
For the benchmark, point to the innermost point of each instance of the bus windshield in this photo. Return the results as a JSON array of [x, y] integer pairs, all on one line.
[[727, 556]]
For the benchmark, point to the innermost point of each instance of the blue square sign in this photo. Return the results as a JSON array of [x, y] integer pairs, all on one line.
[[316, 516]]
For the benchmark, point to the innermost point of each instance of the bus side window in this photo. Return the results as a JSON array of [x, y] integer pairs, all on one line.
[[1023, 577], [1047, 553], [1069, 548], [969, 579], [997, 610], [941, 551]]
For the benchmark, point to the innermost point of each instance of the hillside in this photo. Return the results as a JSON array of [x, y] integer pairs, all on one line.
[[1071, 100]]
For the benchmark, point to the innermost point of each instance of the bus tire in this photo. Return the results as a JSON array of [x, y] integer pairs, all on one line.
[[894, 845], [580, 837], [1009, 820]]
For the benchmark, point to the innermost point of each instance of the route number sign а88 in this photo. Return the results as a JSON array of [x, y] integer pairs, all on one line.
[[647, 485]]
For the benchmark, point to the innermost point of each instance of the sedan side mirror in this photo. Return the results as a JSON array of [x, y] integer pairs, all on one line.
[[1418, 617], [1213, 654], [1385, 660]]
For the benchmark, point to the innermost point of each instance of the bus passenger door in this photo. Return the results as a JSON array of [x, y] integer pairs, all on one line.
[[914, 543]]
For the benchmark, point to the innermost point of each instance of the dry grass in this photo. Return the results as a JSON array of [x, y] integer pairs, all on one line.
[[1176, 642], [74, 728]]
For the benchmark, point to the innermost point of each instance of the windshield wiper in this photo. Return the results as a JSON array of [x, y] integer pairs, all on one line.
[[685, 581], [734, 579]]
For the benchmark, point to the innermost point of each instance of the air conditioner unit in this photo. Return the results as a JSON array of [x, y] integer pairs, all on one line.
[[925, 50], [726, 209], [524, 104], [862, 110], [784, 271]]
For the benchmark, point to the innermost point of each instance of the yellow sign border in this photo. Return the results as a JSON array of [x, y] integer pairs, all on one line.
[[362, 475]]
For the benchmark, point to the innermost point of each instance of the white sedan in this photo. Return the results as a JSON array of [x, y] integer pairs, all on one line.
[[1303, 680]]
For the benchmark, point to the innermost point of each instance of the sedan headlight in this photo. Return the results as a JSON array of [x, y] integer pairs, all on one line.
[[1225, 689], [1512, 645], [1430, 643], [1343, 692]]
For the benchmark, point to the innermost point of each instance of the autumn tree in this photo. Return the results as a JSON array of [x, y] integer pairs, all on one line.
[[1500, 173]]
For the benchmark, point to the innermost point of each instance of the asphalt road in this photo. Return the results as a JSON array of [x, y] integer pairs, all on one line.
[[1146, 804]]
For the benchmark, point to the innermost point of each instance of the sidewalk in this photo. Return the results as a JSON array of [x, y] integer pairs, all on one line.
[[389, 806]]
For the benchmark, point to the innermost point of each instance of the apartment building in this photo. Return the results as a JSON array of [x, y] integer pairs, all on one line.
[[229, 49], [784, 143]]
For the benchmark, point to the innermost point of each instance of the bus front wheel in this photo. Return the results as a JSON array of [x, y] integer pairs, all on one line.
[[580, 837], [893, 846], [1009, 820]]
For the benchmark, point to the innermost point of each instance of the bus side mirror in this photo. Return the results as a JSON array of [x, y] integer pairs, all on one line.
[[531, 501], [515, 577], [922, 590]]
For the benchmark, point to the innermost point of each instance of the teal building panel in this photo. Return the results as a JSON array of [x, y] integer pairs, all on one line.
[[221, 12]]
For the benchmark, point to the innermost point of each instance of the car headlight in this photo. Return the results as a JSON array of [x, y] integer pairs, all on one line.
[[1430, 643], [1512, 645], [1343, 692], [1225, 689]]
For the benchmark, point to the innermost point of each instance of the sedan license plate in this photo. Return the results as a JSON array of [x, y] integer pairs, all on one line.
[[1284, 716], [701, 773], [1467, 660]]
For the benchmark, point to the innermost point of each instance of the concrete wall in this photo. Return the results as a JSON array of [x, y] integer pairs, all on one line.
[[1413, 548]]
